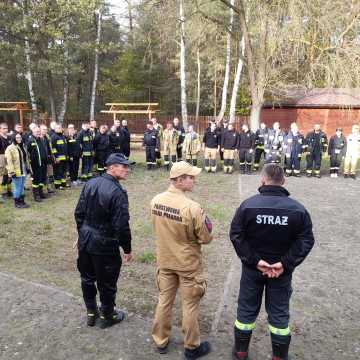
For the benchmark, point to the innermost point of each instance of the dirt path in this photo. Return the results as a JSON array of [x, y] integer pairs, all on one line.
[[40, 322]]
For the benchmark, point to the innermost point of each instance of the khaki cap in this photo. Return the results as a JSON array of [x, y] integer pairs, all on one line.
[[183, 168]]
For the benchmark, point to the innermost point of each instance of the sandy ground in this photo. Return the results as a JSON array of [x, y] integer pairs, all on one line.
[[40, 322]]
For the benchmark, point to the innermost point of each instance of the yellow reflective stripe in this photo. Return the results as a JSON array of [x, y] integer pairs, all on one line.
[[277, 331], [71, 140], [242, 326], [61, 157], [60, 142], [86, 138], [87, 153], [35, 186], [54, 151]]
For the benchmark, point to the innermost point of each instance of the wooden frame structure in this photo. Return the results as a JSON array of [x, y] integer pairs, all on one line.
[[128, 108], [18, 106]]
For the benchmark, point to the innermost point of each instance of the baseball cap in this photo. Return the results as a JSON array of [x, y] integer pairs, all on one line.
[[183, 168], [117, 159]]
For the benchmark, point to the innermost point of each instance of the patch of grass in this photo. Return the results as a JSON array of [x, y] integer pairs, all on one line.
[[147, 257]]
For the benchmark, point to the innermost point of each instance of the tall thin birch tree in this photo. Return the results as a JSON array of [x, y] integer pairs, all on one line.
[[184, 114], [96, 66], [227, 66]]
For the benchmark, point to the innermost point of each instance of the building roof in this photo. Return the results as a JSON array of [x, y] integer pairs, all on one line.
[[317, 98]]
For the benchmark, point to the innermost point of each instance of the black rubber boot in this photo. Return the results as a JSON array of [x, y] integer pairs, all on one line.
[[163, 350], [17, 203], [110, 320], [280, 346], [242, 341], [22, 202], [92, 315], [36, 194], [42, 194], [203, 349]]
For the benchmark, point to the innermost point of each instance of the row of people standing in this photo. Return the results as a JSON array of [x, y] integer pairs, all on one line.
[[274, 145], [50, 156]]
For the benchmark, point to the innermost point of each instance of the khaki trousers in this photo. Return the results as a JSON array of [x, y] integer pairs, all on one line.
[[350, 164], [192, 288], [210, 159], [229, 156]]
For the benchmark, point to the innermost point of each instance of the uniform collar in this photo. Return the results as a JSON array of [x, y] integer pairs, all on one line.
[[174, 190], [273, 190]]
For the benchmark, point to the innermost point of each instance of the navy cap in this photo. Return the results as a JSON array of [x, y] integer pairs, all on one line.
[[117, 158]]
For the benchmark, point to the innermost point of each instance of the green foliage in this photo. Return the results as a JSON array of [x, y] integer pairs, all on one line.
[[147, 257]]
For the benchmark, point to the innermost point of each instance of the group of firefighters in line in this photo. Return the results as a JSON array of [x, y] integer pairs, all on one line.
[[273, 144], [52, 156]]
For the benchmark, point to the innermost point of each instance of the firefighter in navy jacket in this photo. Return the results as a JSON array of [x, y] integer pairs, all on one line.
[[272, 235], [60, 152], [260, 136], [246, 149], [102, 219], [293, 146], [316, 144], [336, 150], [151, 143]]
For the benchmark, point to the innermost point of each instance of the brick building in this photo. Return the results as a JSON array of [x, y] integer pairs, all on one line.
[[331, 108]]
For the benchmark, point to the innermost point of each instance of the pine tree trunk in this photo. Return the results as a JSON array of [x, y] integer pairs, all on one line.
[[227, 67], [96, 68], [237, 82], [184, 114]]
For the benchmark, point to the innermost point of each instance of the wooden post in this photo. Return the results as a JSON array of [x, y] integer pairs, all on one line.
[[21, 118]]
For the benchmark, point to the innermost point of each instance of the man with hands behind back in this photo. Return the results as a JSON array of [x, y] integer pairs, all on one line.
[[272, 234]]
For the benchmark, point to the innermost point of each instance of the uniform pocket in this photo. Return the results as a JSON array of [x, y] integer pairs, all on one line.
[[199, 287]]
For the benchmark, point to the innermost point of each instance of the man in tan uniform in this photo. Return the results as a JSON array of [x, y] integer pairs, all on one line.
[[181, 227], [169, 141], [192, 146], [352, 152]]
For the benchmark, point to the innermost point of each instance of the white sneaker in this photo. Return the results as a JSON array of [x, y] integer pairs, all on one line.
[[335, 175]]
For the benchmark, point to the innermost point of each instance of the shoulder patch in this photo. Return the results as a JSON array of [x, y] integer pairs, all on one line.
[[208, 224]]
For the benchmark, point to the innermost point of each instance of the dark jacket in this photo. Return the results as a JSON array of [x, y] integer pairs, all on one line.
[[260, 135], [293, 144], [246, 140], [337, 145], [316, 142], [38, 155], [230, 140], [48, 146], [59, 146], [126, 141], [212, 139], [273, 140], [180, 129], [102, 217], [85, 139], [102, 143], [4, 143], [116, 141], [271, 226], [151, 138], [74, 149]]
